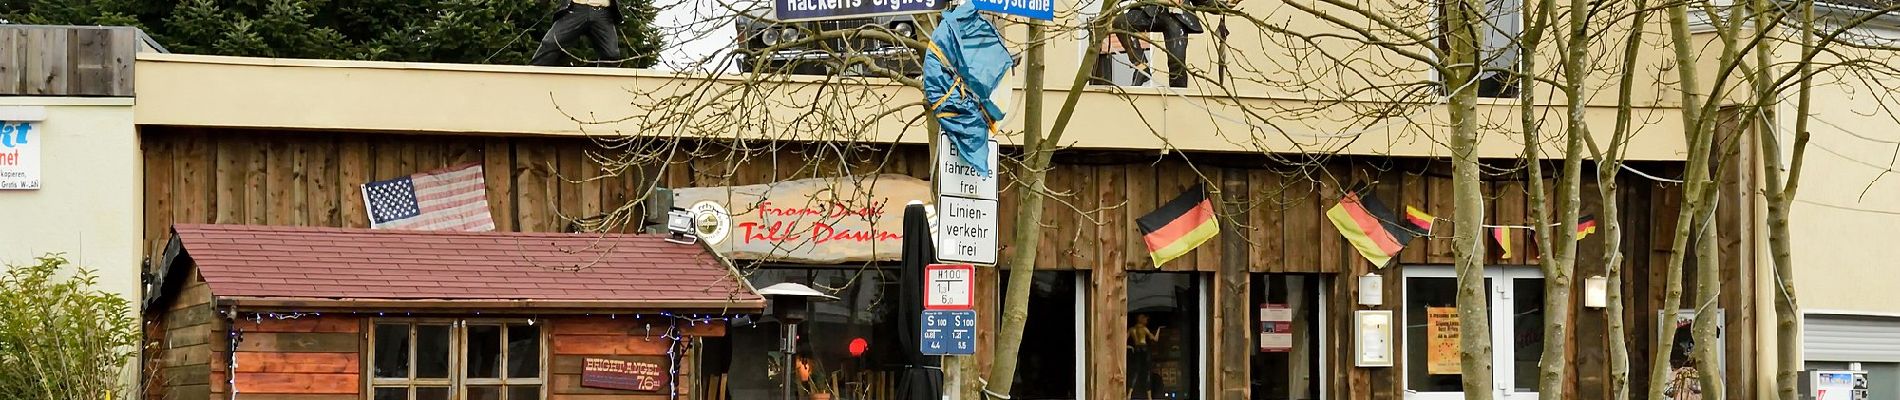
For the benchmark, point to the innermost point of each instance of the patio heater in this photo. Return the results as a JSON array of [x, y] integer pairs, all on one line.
[[790, 305]]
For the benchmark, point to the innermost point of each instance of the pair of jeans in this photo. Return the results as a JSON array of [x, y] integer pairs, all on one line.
[[597, 23], [1175, 40]]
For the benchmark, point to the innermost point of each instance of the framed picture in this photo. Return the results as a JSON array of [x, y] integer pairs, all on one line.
[[1372, 338]]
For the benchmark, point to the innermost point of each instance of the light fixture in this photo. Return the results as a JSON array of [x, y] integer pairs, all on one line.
[[679, 227], [1596, 292], [904, 29], [1371, 290]]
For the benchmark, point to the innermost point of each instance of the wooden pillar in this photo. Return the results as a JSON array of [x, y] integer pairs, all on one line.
[[1229, 341], [1108, 375]]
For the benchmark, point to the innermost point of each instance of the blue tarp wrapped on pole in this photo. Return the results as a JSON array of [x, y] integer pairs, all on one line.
[[967, 61]]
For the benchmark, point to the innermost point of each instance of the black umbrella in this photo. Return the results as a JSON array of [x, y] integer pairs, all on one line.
[[923, 379]]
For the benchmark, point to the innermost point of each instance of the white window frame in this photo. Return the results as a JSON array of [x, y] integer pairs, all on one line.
[[1502, 350]]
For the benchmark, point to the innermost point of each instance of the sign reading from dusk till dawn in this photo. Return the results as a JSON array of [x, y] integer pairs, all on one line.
[[819, 220], [19, 155]]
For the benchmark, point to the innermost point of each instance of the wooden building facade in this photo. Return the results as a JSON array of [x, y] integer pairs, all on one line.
[[1274, 237]]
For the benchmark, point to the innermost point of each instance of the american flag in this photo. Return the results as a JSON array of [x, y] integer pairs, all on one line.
[[448, 199]]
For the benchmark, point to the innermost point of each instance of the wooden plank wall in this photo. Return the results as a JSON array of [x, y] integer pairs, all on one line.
[[306, 358], [66, 60], [181, 341], [1273, 217], [572, 340]]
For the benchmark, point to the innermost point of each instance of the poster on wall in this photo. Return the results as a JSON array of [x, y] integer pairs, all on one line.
[[1276, 328], [19, 155], [1441, 341], [1684, 383]]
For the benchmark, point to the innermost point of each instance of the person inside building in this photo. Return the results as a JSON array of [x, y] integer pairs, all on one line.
[[599, 20], [1141, 368]]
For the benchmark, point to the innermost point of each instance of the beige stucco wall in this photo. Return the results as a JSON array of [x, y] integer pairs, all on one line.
[[1846, 260], [89, 204]]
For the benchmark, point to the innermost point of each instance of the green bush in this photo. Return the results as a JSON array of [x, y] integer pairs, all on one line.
[[61, 338]]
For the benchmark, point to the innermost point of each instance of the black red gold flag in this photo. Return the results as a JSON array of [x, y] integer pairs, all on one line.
[[1179, 226]]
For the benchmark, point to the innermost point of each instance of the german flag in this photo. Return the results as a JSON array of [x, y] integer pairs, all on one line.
[[1586, 226], [1503, 235], [1179, 226], [1371, 227], [1419, 219]]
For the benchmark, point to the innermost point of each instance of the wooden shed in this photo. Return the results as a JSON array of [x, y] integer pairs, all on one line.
[[270, 312]]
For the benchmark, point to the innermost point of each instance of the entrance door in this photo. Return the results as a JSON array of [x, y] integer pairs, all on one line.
[[1515, 297]]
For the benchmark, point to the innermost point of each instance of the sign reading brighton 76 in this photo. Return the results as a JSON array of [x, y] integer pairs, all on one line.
[[646, 374], [820, 220], [19, 155]]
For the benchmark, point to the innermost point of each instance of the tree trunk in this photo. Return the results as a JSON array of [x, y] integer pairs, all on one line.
[[1708, 291], [1609, 163], [1695, 176], [1467, 241], [1028, 224], [1778, 195]]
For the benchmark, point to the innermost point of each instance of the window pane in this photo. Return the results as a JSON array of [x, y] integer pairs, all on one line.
[[1163, 335], [524, 351], [484, 393], [1527, 331], [432, 352], [530, 392], [392, 352], [1431, 308], [432, 393], [1046, 364], [484, 352], [399, 393], [1287, 367]]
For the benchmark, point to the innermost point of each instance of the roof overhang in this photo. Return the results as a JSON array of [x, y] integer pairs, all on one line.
[[446, 306]]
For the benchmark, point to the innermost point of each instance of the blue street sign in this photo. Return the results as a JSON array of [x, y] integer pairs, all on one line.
[[1034, 9], [949, 332], [804, 10]]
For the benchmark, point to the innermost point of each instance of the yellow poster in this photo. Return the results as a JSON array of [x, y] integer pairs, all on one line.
[[1441, 340]]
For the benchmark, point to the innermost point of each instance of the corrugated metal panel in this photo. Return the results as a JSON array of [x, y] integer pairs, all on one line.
[[1851, 338]]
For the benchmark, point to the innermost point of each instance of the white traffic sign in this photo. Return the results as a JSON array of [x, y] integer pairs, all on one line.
[[948, 286], [966, 230], [956, 177]]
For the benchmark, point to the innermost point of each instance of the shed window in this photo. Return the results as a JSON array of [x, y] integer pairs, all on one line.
[[456, 359]]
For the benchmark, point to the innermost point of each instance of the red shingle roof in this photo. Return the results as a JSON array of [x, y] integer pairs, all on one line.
[[361, 264]]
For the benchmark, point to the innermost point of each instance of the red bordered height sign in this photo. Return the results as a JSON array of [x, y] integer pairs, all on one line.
[[948, 286]]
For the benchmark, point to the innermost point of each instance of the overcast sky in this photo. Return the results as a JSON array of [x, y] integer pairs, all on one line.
[[696, 30]]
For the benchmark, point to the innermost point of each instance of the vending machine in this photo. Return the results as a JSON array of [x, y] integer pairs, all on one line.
[[1833, 385]]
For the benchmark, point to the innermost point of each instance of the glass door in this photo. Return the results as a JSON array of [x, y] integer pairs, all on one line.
[[1432, 333]]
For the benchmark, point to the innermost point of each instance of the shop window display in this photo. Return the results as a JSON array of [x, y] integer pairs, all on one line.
[[1163, 350]]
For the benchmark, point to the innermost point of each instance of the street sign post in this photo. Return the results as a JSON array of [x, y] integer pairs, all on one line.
[[811, 10], [958, 178], [966, 230], [949, 332], [948, 286], [1034, 9]]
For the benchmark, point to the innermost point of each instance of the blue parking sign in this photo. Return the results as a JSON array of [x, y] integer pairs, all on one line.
[[1034, 9], [948, 332]]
